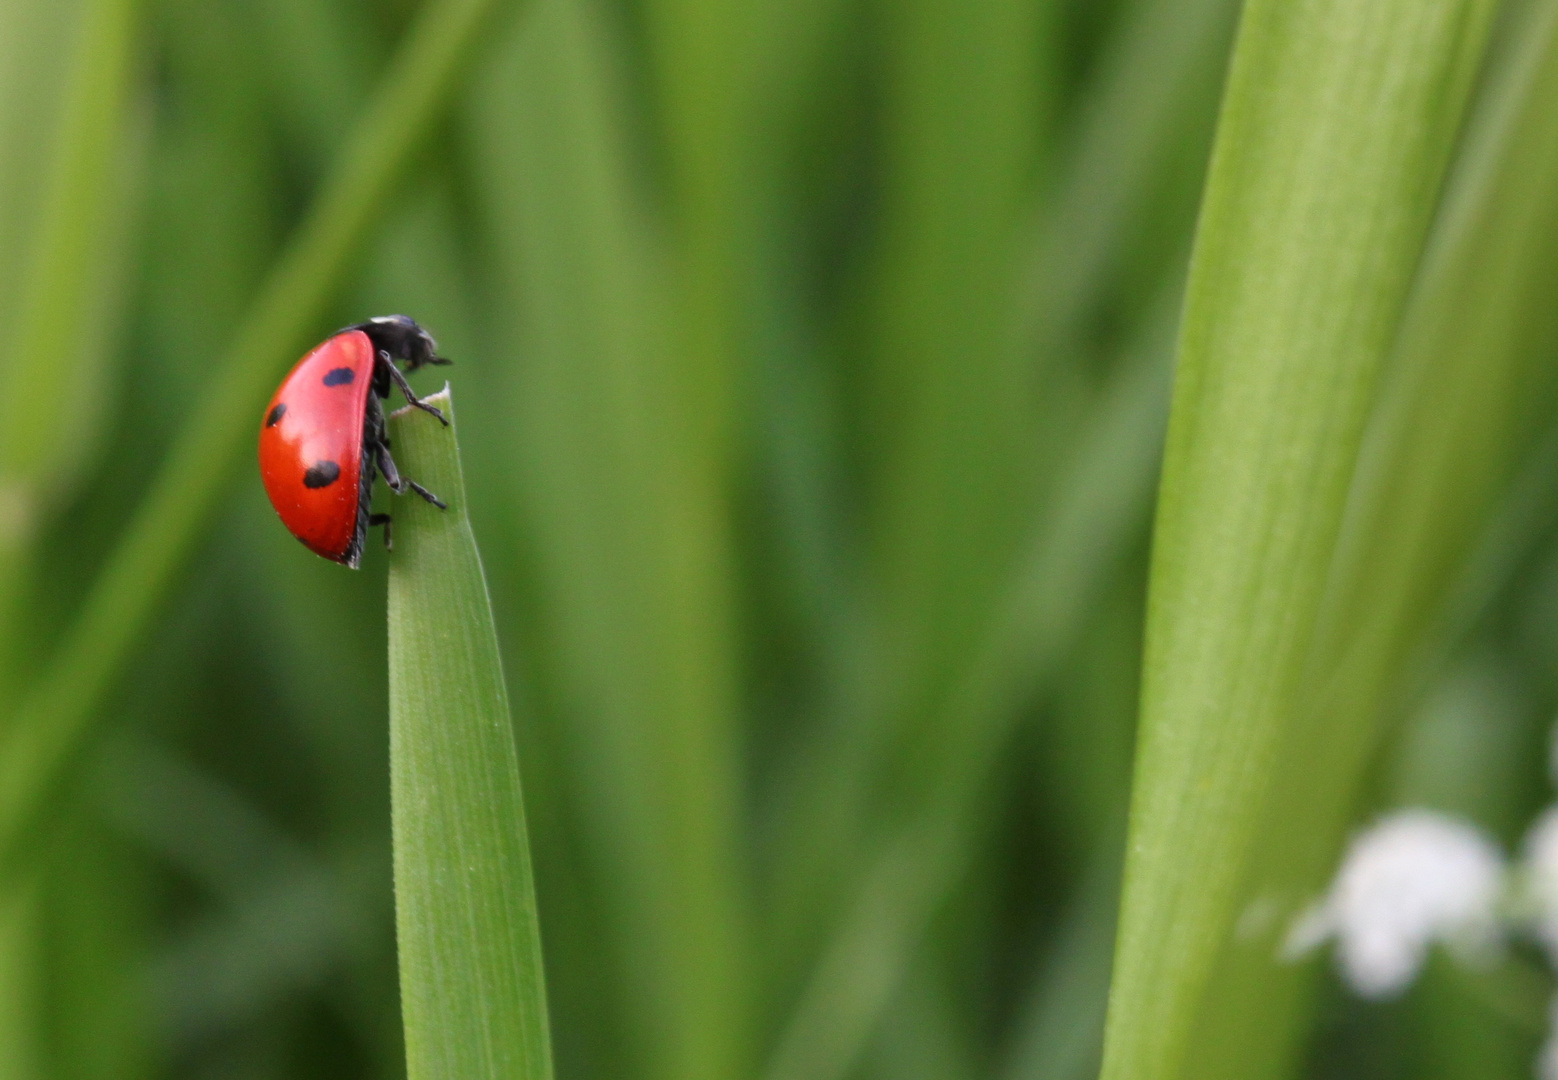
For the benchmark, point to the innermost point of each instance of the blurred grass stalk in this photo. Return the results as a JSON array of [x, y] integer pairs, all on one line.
[[1336, 130], [69, 142], [57, 713], [968, 118], [1146, 102], [67, 222], [472, 985], [1151, 90], [947, 453], [626, 491], [1091, 521], [701, 57]]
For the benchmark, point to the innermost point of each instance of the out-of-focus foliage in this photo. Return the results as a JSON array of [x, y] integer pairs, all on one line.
[[814, 362]]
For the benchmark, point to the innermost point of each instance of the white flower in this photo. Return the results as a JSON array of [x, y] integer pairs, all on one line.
[[1412, 878], [1547, 1060], [1540, 867]]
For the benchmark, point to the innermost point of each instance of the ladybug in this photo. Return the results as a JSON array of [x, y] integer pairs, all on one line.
[[323, 435]]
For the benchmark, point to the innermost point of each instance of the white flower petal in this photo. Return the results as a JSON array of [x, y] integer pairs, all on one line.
[[1413, 878], [1540, 863], [1547, 1059]]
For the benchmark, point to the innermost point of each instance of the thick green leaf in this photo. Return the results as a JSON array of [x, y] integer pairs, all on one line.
[[473, 994], [1468, 396], [1335, 134]]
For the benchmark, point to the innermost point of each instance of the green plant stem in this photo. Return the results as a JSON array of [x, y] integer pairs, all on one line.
[[1335, 135], [473, 995], [55, 718]]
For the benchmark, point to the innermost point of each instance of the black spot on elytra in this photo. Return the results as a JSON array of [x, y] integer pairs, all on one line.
[[321, 474], [338, 376], [276, 414]]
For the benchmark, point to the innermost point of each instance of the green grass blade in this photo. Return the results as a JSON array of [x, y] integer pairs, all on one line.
[[56, 362], [66, 182], [1334, 138], [629, 522], [56, 716], [1060, 1030], [1099, 507], [1512, 536], [701, 56], [946, 431], [925, 1037], [1468, 397], [951, 396], [1466, 401], [1154, 96], [472, 989], [96, 899], [66, 222], [1156, 88], [22, 1023]]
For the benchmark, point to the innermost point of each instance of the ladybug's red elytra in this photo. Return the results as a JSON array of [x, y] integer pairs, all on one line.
[[323, 435]]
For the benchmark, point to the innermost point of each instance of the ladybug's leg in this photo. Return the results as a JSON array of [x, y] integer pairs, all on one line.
[[382, 519], [399, 485], [428, 495], [387, 467], [405, 388]]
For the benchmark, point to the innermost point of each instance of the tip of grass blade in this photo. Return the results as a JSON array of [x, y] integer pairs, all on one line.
[[472, 991]]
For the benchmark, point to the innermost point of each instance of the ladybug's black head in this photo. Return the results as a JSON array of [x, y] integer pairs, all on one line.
[[403, 339]]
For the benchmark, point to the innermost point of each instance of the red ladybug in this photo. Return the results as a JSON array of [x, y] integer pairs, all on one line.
[[323, 435]]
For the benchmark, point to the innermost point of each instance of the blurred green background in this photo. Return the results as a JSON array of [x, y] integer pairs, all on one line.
[[813, 359]]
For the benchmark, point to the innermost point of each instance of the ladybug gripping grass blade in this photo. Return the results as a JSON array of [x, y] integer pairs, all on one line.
[[323, 438]]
